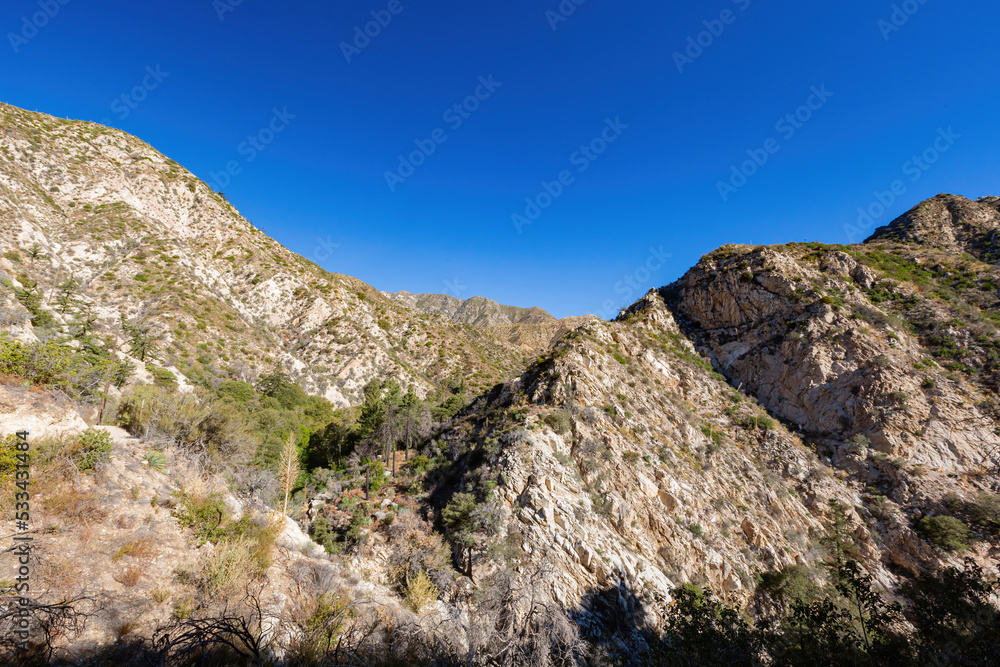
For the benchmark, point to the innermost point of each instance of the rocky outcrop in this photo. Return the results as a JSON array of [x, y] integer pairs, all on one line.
[[637, 466], [951, 223]]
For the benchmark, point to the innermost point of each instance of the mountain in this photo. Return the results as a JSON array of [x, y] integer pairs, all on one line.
[[722, 424], [477, 311], [735, 438], [953, 224], [123, 234]]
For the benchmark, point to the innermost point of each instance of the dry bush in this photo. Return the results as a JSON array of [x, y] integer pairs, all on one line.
[[124, 521], [160, 594], [415, 548], [57, 573], [227, 571], [421, 592], [124, 628], [85, 534], [130, 576], [74, 506], [138, 547]]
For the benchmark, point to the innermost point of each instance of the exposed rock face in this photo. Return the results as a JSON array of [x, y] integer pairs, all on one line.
[[41, 413], [659, 481], [789, 333]]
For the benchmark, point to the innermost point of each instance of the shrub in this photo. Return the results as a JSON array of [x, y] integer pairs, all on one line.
[[421, 592], [8, 456], [130, 576], [898, 397], [74, 506], [559, 421], [241, 392], [631, 458], [620, 359], [94, 447], [163, 378], [157, 460], [229, 568], [323, 535], [858, 443], [140, 547], [39, 363], [790, 584], [418, 464], [762, 423], [697, 530], [985, 510], [946, 532], [928, 383]]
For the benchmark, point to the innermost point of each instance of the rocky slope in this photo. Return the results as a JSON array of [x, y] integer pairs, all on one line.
[[134, 235], [954, 224], [477, 311], [702, 436], [625, 461]]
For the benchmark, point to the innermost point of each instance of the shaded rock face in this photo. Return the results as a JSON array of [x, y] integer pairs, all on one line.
[[952, 223]]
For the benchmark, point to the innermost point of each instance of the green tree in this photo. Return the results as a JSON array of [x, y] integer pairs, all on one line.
[[458, 518], [954, 619], [66, 294]]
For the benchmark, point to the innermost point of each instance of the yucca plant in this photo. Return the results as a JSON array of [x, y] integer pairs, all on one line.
[[157, 460]]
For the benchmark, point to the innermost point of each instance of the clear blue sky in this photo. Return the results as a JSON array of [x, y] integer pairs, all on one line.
[[448, 227]]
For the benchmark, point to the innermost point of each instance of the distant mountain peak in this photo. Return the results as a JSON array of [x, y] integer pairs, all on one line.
[[477, 310], [952, 223]]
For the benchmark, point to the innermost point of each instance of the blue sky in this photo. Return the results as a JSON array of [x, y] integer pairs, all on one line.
[[590, 113]]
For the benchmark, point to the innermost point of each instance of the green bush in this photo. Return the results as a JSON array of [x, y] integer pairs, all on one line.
[[419, 464], [985, 510], [559, 421], [790, 584], [157, 460], [762, 423], [8, 456], [241, 392], [946, 532], [95, 447], [163, 378]]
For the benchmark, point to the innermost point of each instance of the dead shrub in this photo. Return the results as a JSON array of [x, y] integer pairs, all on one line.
[[124, 629], [139, 547], [74, 506], [227, 571], [421, 592], [414, 549], [130, 576], [57, 573]]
